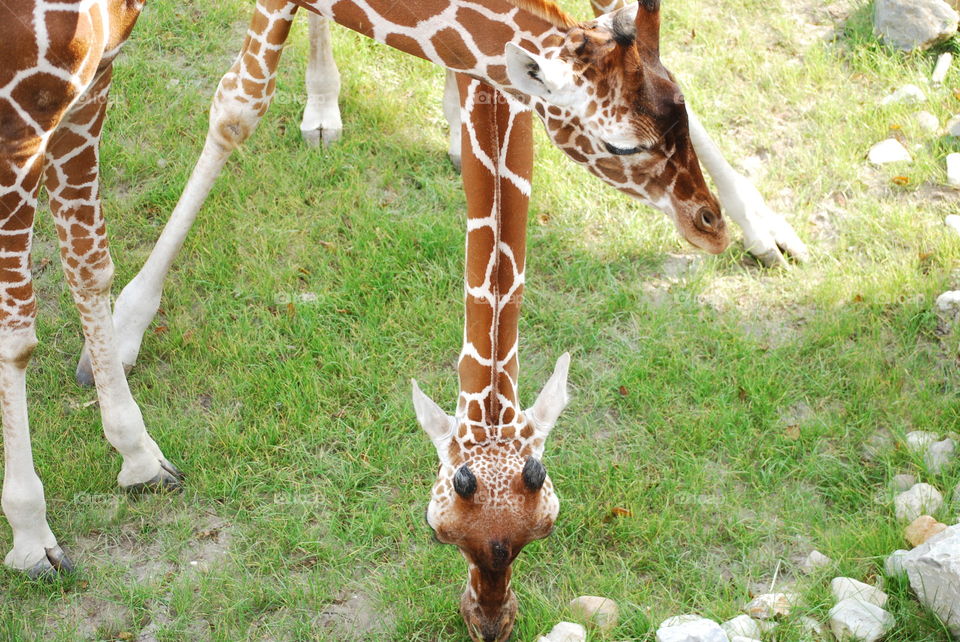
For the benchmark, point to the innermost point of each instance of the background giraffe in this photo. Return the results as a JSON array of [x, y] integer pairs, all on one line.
[[54, 82], [492, 494], [597, 129], [766, 234]]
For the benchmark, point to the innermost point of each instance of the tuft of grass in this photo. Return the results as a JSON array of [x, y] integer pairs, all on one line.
[[725, 409]]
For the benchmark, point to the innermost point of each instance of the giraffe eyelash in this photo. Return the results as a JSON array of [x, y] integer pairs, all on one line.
[[620, 151]]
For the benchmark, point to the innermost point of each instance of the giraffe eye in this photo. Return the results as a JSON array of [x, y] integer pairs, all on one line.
[[624, 151]]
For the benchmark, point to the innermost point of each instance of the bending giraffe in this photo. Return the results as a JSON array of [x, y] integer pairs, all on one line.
[[766, 234], [57, 61], [606, 101], [492, 495]]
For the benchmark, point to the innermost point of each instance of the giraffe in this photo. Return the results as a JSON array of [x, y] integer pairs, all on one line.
[[766, 234], [54, 83], [598, 87], [492, 494]]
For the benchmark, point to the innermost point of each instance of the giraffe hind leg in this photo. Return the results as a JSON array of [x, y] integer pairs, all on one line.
[[321, 117], [72, 182], [242, 99]]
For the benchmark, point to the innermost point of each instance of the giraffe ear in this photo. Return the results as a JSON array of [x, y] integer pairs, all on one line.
[[546, 78], [553, 398], [435, 422]]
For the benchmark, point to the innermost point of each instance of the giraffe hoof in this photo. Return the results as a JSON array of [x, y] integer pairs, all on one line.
[[455, 161], [323, 135], [168, 480], [55, 564], [85, 371]]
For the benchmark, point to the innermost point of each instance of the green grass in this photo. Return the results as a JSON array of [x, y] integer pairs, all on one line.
[[307, 473]]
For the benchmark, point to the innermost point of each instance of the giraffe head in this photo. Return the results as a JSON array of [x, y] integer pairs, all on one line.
[[609, 104], [492, 496]]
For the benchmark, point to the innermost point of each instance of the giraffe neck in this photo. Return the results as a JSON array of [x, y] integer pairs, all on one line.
[[466, 36], [495, 253]]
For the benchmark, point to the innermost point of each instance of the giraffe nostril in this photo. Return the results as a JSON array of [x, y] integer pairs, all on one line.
[[707, 219]]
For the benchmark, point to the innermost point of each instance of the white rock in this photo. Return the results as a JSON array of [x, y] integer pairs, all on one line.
[[812, 627], [939, 455], [914, 24], [741, 638], [927, 122], [888, 151], [943, 66], [953, 169], [902, 482], [893, 565], [919, 440], [948, 306], [566, 632], [599, 611], [934, 572], [953, 126], [766, 626], [846, 587], [858, 620], [770, 605], [743, 626], [953, 222], [906, 94], [690, 628], [922, 499], [815, 560]]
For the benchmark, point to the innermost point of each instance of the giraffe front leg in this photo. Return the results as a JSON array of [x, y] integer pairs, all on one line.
[[35, 549], [451, 111], [321, 117], [242, 99], [72, 180], [766, 234]]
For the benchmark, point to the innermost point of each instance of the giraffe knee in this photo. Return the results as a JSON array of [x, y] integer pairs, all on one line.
[[232, 121], [16, 344]]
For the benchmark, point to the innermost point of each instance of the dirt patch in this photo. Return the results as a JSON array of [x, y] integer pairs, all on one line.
[[355, 616]]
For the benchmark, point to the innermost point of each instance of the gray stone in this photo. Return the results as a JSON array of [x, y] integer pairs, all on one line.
[[858, 620], [902, 482], [953, 222], [940, 454], [814, 561], [922, 499], [942, 68], [953, 126], [690, 628], [953, 169], [601, 612], [919, 440], [743, 626], [914, 24], [741, 638], [847, 587], [566, 632], [906, 94], [888, 151], [927, 122], [893, 565], [934, 572], [812, 627], [770, 605]]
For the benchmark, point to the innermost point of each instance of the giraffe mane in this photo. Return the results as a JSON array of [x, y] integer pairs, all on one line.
[[546, 10]]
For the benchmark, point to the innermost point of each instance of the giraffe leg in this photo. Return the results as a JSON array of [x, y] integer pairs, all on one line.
[[242, 98], [72, 182], [321, 118], [451, 111], [766, 234], [35, 549]]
